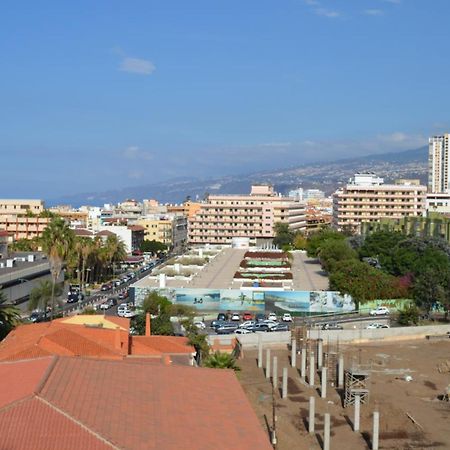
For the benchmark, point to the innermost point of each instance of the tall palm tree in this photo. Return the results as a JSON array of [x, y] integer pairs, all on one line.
[[115, 250], [41, 295], [57, 242], [9, 316]]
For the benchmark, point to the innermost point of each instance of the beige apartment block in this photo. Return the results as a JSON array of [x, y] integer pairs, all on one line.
[[224, 217], [23, 227], [21, 206], [367, 199]]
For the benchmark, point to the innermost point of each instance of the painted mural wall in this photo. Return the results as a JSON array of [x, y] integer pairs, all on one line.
[[257, 301]]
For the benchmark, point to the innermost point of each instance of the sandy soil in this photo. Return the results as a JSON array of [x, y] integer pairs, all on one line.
[[394, 397]]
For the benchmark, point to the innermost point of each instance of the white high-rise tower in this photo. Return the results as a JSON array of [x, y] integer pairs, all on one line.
[[438, 164]]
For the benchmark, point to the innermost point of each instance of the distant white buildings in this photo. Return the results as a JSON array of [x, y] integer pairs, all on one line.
[[305, 195]]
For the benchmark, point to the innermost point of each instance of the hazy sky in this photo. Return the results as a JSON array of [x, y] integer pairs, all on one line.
[[103, 94]]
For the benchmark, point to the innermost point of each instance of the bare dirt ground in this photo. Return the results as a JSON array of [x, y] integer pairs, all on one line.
[[394, 398]]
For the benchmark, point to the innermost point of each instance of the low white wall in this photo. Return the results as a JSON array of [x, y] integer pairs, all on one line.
[[381, 334]]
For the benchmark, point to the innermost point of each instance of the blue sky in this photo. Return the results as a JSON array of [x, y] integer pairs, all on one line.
[[105, 94]]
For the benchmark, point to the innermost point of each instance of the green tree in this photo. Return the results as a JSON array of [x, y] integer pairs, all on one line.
[[219, 360], [153, 246], [333, 251], [41, 295], [26, 245], [114, 251], [57, 241], [197, 340], [283, 235], [316, 240], [429, 289], [9, 316], [300, 241], [156, 304], [409, 316]]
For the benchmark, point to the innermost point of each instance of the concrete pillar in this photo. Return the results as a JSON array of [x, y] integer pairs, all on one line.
[[177, 267], [319, 353], [268, 363], [275, 372], [303, 364], [341, 371], [162, 280], [260, 352], [200, 253], [323, 390], [312, 369], [293, 353], [312, 413], [357, 412], [376, 430], [285, 382], [326, 432]]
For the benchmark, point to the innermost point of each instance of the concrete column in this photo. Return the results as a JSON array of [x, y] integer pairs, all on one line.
[[357, 412], [319, 353], [162, 280], [376, 430], [268, 363], [275, 372], [285, 382], [312, 369], [323, 390], [326, 432], [293, 353], [341, 371], [303, 364], [260, 352], [312, 413]]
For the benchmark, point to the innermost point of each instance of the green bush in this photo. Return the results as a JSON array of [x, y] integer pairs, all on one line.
[[409, 316]]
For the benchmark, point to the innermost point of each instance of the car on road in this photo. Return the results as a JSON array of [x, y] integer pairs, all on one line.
[[123, 295], [287, 317], [122, 309], [200, 325], [106, 287], [235, 317], [109, 303], [331, 326], [227, 328], [247, 316], [243, 331], [379, 311], [37, 316], [280, 327], [273, 316], [129, 313], [74, 296], [376, 326]]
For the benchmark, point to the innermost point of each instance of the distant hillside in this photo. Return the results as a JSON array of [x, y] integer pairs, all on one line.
[[325, 175]]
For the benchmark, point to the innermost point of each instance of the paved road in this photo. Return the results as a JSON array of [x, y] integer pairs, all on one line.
[[307, 274]]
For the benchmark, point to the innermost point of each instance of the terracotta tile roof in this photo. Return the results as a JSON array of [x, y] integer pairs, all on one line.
[[158, 345], [136, 228], [34, 425], [105, 233]]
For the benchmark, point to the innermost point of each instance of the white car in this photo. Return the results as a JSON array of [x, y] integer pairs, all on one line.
[[270, 323], [287, 317], [200, 325], [379, 311], [243, 331], [376, 326], [272, 316], [129, 313], [235, 317], [248, 323]]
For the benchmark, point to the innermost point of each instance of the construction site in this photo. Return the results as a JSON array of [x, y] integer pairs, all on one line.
[[313, 394]]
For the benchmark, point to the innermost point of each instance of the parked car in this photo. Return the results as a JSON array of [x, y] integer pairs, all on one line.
[[332, 326], [273, 316], [375, 326], [270, 323], [280, 327], [217, 323], [287, 317], [379, 311], [222, 316], [260, 327], [247, 316], [74, 296], [129, 313], [248, 323], [260, 317], [227, 328], [122, 309], [123, 295], [37, 316], [235, 317], [243, 331], [109, 303], [106, 287]]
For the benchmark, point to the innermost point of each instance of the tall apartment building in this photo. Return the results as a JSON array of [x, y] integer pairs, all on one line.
[[438, 164], [224, 217], [367, 199], [21, 207]]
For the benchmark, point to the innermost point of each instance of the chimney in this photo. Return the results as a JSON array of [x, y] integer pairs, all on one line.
[[147, 324], [117, 341], [167, 361]]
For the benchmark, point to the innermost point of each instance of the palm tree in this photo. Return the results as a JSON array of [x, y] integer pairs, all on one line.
[[115, 250], [219, 360], [9, 316], [41, 295], [57, 242]]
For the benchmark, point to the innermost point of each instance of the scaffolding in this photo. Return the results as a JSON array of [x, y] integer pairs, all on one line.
[[356, 383], [331, 363], [300, 334]]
